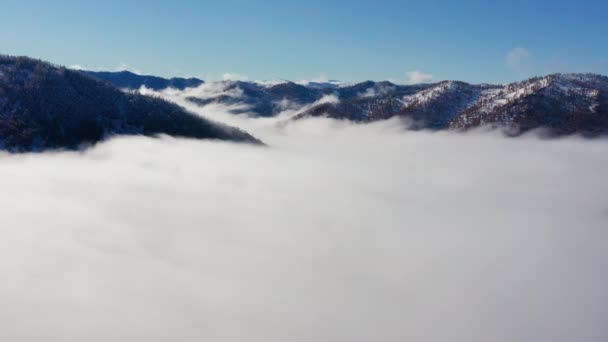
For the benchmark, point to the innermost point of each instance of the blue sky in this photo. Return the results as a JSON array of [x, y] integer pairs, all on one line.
[[347, 40]]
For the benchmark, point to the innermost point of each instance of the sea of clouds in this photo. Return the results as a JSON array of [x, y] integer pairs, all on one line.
[[334, 232]]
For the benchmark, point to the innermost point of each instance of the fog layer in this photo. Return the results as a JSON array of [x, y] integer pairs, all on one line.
[[334, 233]]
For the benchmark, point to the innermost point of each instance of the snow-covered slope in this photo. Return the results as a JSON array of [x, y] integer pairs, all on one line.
[[47, 107], [436, 106], [564, 103]]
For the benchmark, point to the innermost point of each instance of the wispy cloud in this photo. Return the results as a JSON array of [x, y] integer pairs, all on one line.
[[120, 67], [416, 77], [322, 78], [230, 76], [413, 77], [77, 67], [518, 59]]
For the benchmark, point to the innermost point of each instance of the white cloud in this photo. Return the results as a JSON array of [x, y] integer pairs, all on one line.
[[331, 98], [77, 67], [120, 67], [517, 57], [270, 83], [326, 235], [377, 90], [234, 77], [206, 90], [417, 77], [322, 78], [414, 77]]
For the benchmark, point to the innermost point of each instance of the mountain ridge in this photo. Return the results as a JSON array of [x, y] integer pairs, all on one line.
[[563, 103], [44, 106], [130, 80]]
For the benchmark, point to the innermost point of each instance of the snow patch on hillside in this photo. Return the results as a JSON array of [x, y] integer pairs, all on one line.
[[428, 95], [497, 97]]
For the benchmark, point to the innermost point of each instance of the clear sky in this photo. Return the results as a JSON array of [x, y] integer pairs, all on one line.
[[476, 41]]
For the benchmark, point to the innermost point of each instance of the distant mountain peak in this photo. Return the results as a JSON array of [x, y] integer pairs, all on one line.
[[564, 103], [129, 80]]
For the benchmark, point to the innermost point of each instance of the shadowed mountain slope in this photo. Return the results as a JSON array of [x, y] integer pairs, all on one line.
[[49, 107]]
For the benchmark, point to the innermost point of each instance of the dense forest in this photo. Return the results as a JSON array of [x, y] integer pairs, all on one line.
[[43, 106]]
